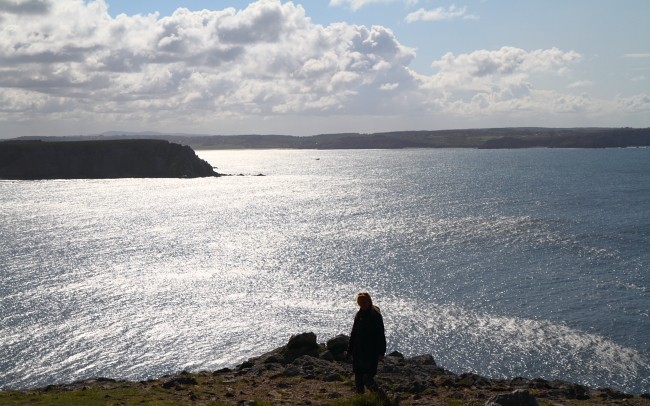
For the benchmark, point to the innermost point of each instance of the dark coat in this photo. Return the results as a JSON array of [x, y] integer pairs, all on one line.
[[367, 340]]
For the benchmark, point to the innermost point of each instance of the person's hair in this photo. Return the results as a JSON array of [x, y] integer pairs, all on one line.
[[365, 296]]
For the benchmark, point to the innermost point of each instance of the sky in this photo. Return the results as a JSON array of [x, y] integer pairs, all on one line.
[[70, 67]]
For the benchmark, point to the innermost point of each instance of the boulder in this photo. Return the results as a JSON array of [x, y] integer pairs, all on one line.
[[517, 398], [338, 345], [299, 345], [304, 341], [422, 360], [336, 348]]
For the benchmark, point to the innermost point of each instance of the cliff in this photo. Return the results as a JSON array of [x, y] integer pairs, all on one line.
[[37, 159], [304, 372]]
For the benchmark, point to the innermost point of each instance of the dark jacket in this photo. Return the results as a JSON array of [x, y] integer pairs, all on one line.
[[367, 340]]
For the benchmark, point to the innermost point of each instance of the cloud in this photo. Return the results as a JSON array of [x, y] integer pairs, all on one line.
[[581, 83], [357, 4], [634, 104], [483, 67], [265, 59], [29, 7], [439, 14], [264, 68]]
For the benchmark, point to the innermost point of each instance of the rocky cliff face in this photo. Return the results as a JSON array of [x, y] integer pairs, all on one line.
[[100, 160]]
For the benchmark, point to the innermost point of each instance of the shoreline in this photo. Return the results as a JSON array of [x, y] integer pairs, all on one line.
[[305, 372]]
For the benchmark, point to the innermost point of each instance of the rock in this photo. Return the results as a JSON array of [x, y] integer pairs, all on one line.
[[302, 341], [413, 387], [327, 356], [422, 360], [397, 354], [246, 365], [517, 398], [473, 380], [609, 393], [182, 380], [299, 345], [539, 383], [292, 371], [273, 359], [338, 345], [571, 391], [332, 377]]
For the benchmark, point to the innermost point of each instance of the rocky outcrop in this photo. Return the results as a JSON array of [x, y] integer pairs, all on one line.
[[519, 397], [31, 160], [415, 378], [305, 372]]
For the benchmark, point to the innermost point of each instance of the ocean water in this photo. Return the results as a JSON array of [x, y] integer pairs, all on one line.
[[506, 263]]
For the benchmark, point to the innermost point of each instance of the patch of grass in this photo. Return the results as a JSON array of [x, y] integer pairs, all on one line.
[[459, 402], [88, 397], [369, 399]]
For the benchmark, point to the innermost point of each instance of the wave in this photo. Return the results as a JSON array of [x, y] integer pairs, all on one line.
[[508, 347]]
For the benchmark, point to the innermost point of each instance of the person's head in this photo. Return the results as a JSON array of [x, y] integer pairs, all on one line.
[[363, 300]]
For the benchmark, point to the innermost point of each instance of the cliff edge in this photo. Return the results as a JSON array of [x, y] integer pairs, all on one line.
[[32, 160], [304, 372]]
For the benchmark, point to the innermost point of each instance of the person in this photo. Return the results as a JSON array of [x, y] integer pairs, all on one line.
[[367, 344]]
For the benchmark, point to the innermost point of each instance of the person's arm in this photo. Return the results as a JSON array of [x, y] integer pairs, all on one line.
[[353, 333], [381, 337]]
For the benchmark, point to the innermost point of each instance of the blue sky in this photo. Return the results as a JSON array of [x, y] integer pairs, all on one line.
[[270, 66]]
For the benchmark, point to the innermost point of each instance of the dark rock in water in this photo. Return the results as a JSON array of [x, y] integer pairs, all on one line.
[[516, 398], [31, 160]]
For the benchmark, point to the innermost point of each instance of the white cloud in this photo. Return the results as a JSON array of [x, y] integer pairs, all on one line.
[[263, 60], [580, 83], [266, 68], [506, 61], [357, 4], [439, 14], [634, 104]]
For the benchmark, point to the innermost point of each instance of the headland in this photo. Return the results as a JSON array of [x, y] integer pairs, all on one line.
[[34, 160]]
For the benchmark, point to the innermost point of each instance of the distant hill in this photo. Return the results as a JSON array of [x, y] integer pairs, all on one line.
[[489, 138]]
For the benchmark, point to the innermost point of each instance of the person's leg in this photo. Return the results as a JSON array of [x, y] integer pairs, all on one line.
[[369, 382], [359, 382]]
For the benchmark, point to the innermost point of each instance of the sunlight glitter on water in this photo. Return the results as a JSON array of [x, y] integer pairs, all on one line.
[[138, 278]]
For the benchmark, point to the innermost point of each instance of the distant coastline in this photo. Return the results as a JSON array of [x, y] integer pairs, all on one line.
[[488, 138]]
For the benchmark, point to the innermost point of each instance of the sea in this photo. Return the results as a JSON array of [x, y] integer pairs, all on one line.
[[529, 263]]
